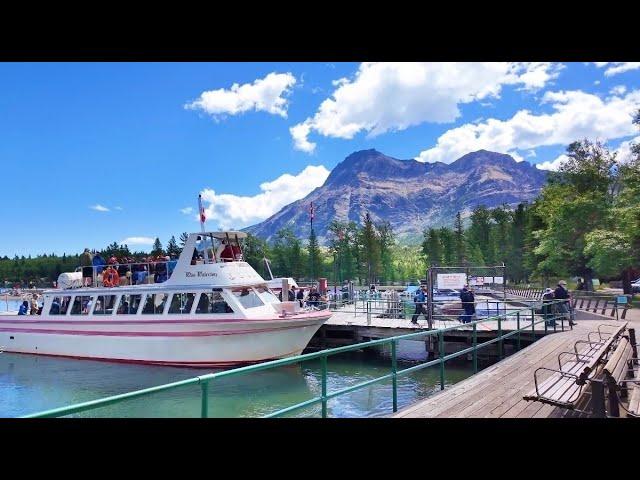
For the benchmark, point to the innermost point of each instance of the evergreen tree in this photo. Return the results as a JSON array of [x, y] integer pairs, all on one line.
[[447, 240], [157, 248], [315, 259], [369, 250], [172, 247], [461, 254], [431, 247], [183, 239]]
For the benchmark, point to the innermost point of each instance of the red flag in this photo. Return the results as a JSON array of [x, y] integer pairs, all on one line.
[[202, 215]]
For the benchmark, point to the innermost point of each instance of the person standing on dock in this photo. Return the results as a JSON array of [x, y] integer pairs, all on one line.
[[561, 293], [468, 300], [419, 300]]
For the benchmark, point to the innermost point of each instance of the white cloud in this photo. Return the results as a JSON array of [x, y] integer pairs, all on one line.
[[118, 208], [553, 165], [233, 211], [624, 150], [187, 210], [99, 208], [576, 115], [394, 96], [618, 90], [265, 94], [597, 82], [614, 68], [137, 241]]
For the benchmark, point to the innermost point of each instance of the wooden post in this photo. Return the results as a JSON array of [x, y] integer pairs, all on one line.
[[632, 340]]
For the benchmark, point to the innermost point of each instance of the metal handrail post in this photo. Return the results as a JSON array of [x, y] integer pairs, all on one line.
[[323, 363], [533, 323], [441, 354], [394, 372], [204, 407], [500, 347], [518, 320], [475, 348]]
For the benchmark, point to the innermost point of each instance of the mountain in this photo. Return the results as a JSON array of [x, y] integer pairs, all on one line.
[[411, 195]]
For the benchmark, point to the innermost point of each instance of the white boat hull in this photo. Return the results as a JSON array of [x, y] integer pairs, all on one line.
[[180, 342]]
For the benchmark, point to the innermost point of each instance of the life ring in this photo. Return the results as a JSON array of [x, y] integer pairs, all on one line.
[[110, 278]]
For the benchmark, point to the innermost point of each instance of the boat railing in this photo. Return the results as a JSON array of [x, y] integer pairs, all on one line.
[[525, 320], [135, 273]]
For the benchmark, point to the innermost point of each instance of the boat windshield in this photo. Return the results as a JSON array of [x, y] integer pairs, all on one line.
[[248, 297], [266, 295]]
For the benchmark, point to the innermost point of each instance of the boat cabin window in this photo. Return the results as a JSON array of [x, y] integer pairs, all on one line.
[[154, 303], [129, 304], [59, 305], [267, 295], [248, 297], [104, 305], [81, 305], [181, 302], [213, 303]]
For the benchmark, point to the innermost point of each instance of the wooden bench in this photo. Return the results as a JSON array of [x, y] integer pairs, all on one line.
[[566, 386], [619, 373]]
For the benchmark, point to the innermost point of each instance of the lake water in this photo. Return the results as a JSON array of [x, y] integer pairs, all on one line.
[[32, 383]]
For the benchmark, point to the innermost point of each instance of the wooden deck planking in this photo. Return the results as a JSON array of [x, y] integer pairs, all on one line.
[[498, 390]]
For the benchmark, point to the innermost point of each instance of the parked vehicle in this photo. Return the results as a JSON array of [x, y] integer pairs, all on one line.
[[635, 286]]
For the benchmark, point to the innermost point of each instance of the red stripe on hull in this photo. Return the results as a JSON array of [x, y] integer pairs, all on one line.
[[146, 334], [163, 363]]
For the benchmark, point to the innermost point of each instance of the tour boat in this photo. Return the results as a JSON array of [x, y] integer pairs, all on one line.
[[212, 311]]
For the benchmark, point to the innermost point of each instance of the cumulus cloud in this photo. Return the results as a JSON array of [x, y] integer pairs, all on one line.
[[187, 210], [576, 115], [553, 165], [264, 94], [618, 90], [624, 150], [615, 68], [394, 96], [99, 208], [233, 211], [137, 241]]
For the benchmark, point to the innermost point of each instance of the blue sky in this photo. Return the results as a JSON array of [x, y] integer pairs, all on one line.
[[93, 153]]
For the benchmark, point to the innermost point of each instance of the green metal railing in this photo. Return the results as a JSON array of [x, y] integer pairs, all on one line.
[[205, 380]]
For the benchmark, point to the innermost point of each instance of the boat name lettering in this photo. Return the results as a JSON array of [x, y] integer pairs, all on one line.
[[200, 274]]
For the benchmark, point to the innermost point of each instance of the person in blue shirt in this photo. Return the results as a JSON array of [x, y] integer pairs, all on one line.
[[98, 262], [24, 308], [419, 300]]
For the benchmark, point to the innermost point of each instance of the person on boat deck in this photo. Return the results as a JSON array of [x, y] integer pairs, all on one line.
[[171, 264], [55, 307], [124, 309], [161, 270], [314, 297], [226, 254], [300, 297], [98, 262], [24, 308], [237, 253], [86, 262], [34, 304]]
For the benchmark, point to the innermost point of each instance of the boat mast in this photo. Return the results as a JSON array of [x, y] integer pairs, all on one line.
[[202, 219]]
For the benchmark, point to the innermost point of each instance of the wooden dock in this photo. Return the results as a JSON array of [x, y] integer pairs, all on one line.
[[497, 391]]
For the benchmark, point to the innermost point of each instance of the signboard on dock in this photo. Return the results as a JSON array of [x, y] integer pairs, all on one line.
[[451, 280]]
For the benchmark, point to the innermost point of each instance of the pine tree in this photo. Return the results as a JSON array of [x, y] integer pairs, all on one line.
[[172, 247], [370, 249], [157, 248], [183, 239], [315, 259], [459, 239]]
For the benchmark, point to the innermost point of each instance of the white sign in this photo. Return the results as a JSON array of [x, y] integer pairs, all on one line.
[[452, 280], [498, 280]]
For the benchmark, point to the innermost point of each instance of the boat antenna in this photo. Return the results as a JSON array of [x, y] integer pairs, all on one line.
[[202, 220], [266, 262]]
